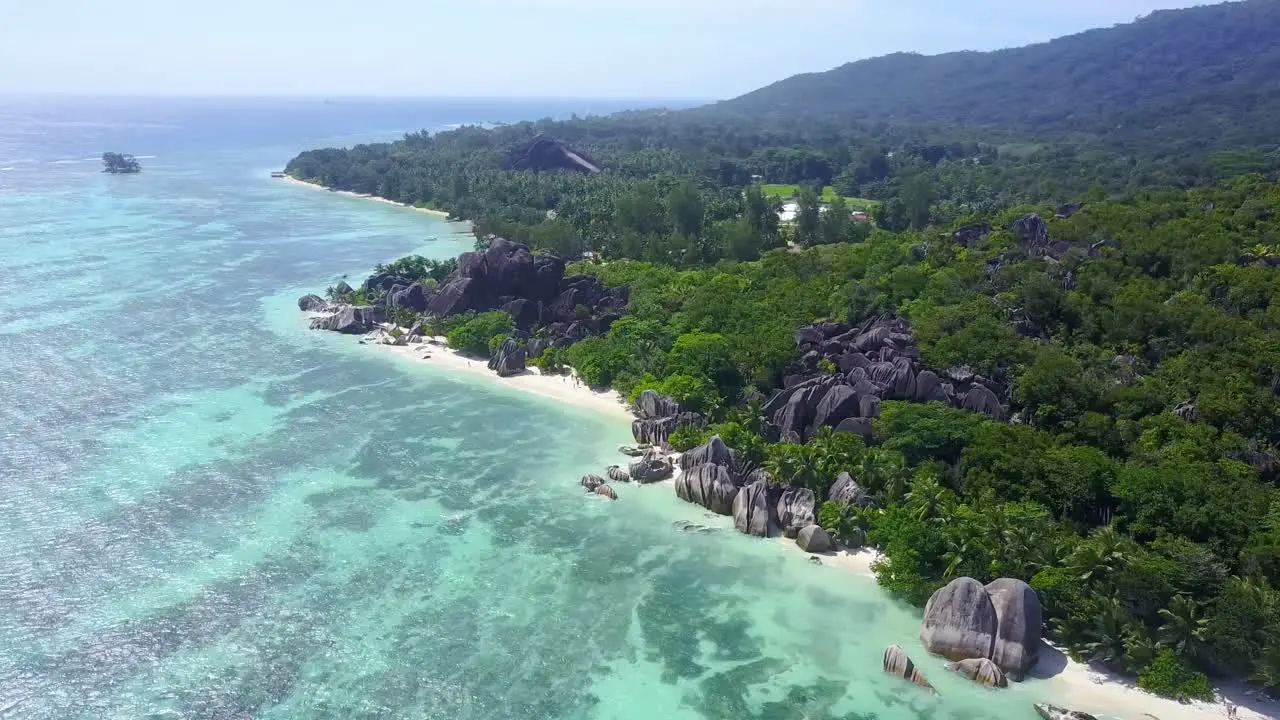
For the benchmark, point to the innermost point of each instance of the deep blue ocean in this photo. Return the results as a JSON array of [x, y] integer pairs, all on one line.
[[208, 511]]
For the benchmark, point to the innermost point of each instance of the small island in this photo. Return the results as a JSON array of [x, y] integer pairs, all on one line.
[[119, 164]]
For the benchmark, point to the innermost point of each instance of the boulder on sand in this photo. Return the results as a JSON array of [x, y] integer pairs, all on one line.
[[980, 670], [897, 663], [753, 514], [1018, 625], [959, 621], [813, 539], [509, 359], [797, 507], [650, 469]]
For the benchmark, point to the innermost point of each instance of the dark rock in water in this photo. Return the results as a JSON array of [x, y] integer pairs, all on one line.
[[606, 491], [708, 485], [1053, 712], [1019, 622], [509, 359], [632, 450], [969, 234], [846, 490], [959, 621], [650, 470], [413, 297], [712, 452], [1031, 232], [897, 663], [312, 303], [980, 670], [546, 153], [813, 539], [351, 319], [753, 514], [617, 474], [797, 507], [591, 481], [651, 404]]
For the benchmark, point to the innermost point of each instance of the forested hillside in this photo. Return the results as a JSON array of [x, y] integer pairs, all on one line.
[[1068, 309], [1206, 76]]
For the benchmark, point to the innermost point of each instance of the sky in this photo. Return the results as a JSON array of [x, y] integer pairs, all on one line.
[[653, 49]]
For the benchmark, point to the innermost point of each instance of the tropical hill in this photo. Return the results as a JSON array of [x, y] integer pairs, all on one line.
[[1205, 76]]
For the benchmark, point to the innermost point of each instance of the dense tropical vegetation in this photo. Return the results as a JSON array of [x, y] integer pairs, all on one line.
[[1135, 487]]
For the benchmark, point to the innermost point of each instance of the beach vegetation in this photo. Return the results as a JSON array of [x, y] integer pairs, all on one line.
[[472, 333]]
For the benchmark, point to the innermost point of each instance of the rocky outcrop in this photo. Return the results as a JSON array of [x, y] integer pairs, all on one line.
[[753, 511], [545, 153], [509, 359], [606, 491], [617, 474], [1031, 232], [312, 303], [342, 290], [980, 670], [897, 663], [380, 284], [413, 298], [652, 404], [1001, 622], [875, 362], [1019, 622], [1053, 712], [650, 470], [968, 235], [813, 539], [797, 508], [710, 486], [591, 481], [355, 320], [846, 490], [712, 452], [960, 621]]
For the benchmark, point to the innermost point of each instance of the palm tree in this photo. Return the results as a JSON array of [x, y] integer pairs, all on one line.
[[1107, 633], [926, 498], [1140, 649], [1267, 668], [1183, 631], [1100, 555]]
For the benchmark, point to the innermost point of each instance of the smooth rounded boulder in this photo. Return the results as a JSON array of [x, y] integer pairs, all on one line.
[[1019, 621], [980, 670], [813, 539], [797, 507], [712, 452], [312, 303], [710, 486], [591, 481], [606, 491], [959, 621]]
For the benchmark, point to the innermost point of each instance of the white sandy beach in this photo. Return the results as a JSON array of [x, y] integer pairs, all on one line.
[[557, 387], [362, 196]]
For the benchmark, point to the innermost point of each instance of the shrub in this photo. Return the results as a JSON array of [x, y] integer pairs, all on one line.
[[687, 438], [552, 361], [495, 342], [472, 336], [830, 515], [1170, 676]]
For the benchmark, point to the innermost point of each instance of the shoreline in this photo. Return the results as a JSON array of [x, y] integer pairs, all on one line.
[[1069, 683], [364, 196]]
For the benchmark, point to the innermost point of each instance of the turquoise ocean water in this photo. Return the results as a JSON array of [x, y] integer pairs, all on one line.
[[207, 511]]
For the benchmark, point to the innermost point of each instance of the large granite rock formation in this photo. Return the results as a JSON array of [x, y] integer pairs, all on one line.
[[753, 510], [960, 621], [1019, 622], [712, 452], [355, 320], [846, 490], [1001, 622], [650, 469], [413, 298], [897, 663], [312, 303], [1053, 712], [508, 360], [877, 361], [545, 153], [797, 508], [711, 486]]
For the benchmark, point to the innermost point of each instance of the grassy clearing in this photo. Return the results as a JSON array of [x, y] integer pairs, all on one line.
[[828, 195]]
